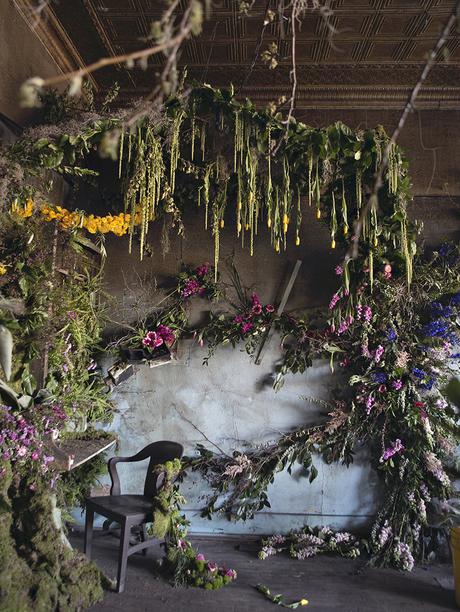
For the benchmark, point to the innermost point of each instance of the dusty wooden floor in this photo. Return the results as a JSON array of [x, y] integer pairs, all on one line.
[[328, 583]]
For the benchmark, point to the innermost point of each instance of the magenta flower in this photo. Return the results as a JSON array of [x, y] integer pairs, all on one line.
[[192, 287], [339, 270], [35, 455], [152, 340], [238, 319], [397, 384], [202, 270], [182, 544], [231, 573], [367, 314], [335, 298], [200, 557], [387, 271], [269, 308], [166, 334], [396, 447], [246, 327], [212, 567], [257, 309]]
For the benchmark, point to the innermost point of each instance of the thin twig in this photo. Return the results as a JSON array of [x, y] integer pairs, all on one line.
[[201, 432], [257, 49]]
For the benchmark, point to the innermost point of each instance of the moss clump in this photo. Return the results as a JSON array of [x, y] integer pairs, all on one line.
[[15, 574], [38, 569]]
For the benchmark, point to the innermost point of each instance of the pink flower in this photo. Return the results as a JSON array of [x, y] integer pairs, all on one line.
[[369, 404], [231, 573], [397, 384], [212, 567], [378, 353], [257, 309], [382, 389], [35, 455], [387, 271], [246, 327], [200, 557], [238, 319], [339, 270], [22, 451], [367, 314], [269, 308]]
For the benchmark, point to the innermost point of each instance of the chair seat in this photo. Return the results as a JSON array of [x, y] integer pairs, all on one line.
[[134, 507]]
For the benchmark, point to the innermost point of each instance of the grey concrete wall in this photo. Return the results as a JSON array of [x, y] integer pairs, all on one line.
[[230, 400]]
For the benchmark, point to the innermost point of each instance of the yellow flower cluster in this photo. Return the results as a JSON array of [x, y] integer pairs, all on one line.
[[117, 224], [22, 211], [2, 269]]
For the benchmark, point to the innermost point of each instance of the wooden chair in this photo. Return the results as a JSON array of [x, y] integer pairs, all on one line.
[[130, 510]]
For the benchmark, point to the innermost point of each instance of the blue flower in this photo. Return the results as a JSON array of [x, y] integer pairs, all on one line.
[[391, 335], [379, 377], [440, 310], [455, 356], [455, 299], [419, 373], [428, 384]]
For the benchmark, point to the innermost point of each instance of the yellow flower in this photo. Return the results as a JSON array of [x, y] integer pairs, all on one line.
[[303, 602], [2, 269]]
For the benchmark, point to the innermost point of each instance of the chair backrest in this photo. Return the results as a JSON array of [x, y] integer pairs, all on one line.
[[158, 452]]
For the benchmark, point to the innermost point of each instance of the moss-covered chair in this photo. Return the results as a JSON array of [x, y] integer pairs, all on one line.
[[130, 510]]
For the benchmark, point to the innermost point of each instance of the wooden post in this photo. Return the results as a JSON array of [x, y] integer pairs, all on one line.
[[267, 335]]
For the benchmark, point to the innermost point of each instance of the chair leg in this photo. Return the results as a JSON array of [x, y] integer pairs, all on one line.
[[123, 556], [144, 537], [88, 532]]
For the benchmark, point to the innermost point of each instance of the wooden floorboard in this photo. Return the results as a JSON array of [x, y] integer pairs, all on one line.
[[329, 583]]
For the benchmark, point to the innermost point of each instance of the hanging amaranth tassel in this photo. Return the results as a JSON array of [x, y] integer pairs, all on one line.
[[344, 210], [298, 218], [359, 192], [317, 191], [333, 221]]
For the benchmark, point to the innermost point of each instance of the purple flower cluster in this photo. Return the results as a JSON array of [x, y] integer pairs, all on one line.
[[22, 443], [195, 284], [396, 447], [258, 314]]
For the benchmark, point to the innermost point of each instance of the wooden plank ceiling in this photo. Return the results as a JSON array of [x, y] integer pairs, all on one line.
[[371, 61]]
